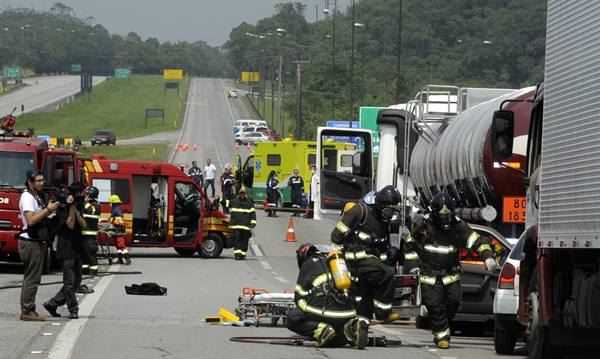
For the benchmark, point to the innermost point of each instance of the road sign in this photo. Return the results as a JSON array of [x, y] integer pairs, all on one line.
[[12, 72], [248, 76], [122, 73], [173, 74], [367, 117], [76, 68]]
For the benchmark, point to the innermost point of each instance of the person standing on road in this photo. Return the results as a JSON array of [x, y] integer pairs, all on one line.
[[210, 173], [363, 232], [91, 215], [33, 241], [243, 220], [296, 185], [322, 311], [70, 249], [227, 187], [196, 173], [314, 183], [435, 243], [272, 193], [118, 229]]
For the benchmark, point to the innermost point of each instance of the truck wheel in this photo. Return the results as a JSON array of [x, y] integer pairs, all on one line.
[[505, 336], [212, 246], [185, 252]]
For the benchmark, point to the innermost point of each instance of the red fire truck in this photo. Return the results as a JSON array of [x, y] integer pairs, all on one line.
[[19, 153], [162, 206]]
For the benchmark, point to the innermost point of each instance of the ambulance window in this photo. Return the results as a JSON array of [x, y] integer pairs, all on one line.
[[330, 159], [312, 160], [346, 160], [274, 160], [108, 187]]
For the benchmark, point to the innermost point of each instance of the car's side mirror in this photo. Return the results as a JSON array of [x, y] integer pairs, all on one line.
[[502, 134]]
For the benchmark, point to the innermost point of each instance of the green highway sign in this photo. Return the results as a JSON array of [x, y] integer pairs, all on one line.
[[76, 68], [122, 73], [12, 72], [368, 119]]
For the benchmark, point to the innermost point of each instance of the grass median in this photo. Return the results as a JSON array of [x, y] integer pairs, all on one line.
[[116, 104], [153, 152]]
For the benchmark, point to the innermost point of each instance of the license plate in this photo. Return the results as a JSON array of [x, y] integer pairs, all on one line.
[[514, 209]]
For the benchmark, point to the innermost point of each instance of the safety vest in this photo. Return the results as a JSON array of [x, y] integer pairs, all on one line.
[[91, 215]]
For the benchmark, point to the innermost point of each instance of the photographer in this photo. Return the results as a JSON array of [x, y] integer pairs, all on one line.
[[70, 248], [33, 241]]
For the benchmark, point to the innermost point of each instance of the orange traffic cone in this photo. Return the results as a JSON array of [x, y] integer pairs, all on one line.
[[291, 233]]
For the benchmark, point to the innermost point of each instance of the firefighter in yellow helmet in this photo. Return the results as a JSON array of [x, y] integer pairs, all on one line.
[[118, 224]]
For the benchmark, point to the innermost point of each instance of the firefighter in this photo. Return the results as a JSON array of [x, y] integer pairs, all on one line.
[[227, 187], [363, 232], [243, 219], [196, 173], [118, 224], [272, 193], [435, 243], [91, 215], [296, 185], [323, 311]]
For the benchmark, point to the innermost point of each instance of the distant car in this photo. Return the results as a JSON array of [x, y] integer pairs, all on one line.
[[507, 330], [232, 94], [252, 137], [104, 137]]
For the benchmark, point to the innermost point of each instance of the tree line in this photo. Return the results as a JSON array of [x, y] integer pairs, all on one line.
[[476, 43], [51, 41]]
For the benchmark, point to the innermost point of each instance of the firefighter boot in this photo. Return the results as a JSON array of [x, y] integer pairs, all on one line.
[[120, 258], [443, 344], [127, 259], [356, 332], [324, 334]]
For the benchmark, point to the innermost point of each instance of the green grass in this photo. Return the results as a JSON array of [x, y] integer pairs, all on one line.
[[157, 152], [117, 105], [267, 115]]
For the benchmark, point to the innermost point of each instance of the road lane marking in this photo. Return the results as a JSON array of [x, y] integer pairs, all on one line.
[[266, 265], [256, 248], [67, 339], [281, 279]]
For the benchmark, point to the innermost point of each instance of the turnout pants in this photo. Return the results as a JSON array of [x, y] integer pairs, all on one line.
[[309, 326], [33, 255], [241, 237], [71, 281], [442, 302], [374, 287], [88, 254]]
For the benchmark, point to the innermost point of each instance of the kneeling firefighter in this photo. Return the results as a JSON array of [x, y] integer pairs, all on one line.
[[435, 244], [363, 232], [324, 311]]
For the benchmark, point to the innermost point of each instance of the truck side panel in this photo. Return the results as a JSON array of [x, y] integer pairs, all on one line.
[[570, 189]]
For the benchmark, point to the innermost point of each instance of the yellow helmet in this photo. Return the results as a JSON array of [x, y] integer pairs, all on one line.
[[348, 206], [115, 199]]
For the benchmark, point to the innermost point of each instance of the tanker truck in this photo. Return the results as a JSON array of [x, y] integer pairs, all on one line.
[[559, 291]]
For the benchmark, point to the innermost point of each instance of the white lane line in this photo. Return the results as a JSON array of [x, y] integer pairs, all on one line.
[[185, 120], [66, 340], [37, 352], [281, 279], [256, 248], [266, 265]]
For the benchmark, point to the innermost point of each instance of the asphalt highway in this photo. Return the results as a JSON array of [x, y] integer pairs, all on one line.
[[116, 325]]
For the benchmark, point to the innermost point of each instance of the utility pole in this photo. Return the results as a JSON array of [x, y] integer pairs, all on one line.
[[333, 59], [264, 91], [299, 114], [399, 54], [279, 90], [352, 61], [273, 96]]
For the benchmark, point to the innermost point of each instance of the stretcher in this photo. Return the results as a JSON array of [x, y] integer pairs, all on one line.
[[258, 306], [106, 241]]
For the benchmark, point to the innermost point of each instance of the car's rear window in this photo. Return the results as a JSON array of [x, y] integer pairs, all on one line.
[[517, 251]]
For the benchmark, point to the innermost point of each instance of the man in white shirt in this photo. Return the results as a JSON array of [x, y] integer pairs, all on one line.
[[210, 173], [33, 241]]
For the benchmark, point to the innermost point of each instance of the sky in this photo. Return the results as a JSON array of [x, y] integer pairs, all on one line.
[[172, 20]]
